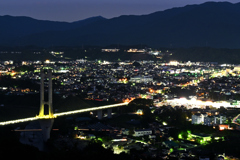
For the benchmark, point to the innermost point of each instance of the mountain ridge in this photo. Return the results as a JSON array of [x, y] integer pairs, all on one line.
[[214, 24]]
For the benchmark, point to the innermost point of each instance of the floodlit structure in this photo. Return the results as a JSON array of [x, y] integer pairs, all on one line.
[[48, 75], [64, 113], [46, 116], [46, 121]]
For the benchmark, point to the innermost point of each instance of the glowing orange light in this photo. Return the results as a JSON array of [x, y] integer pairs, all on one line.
[[128, 100]]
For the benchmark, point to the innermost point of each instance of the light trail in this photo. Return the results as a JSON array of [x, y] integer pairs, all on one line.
[[90, 109], [18, 121], [62, 114], [235, 120]]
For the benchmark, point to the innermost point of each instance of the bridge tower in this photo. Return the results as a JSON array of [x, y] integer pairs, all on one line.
[[46, 121]]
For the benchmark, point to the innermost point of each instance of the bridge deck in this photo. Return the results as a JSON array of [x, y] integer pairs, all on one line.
[[63, 113]]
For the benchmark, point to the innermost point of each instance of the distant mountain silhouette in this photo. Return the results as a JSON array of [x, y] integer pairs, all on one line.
[[214, 24], [90, 20]]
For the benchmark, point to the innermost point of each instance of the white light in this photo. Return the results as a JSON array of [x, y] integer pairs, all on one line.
[[63, 113]]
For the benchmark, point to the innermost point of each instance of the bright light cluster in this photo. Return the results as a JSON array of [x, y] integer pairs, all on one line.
[[194, 103], [90, 109]]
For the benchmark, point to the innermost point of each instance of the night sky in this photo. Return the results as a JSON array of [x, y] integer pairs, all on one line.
[[74, 10]]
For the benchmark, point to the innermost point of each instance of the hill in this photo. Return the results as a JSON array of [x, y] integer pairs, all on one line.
[[213, 24]]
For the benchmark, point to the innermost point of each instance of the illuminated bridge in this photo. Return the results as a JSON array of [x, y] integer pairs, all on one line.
[[100, 108], [46, 121]]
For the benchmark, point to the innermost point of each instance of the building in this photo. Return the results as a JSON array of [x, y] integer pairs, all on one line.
[[136, 50], [141, 79], [110, 50], [209, 120], [125, 131], [198, 118], [237, 68], [214, 120], [224, 127], [203, 137], [142, 132]]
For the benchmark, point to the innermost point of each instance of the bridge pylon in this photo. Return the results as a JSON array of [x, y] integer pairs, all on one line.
[[47, 75], [46, 121]]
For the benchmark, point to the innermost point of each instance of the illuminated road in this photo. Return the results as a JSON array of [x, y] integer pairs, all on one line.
[[63, 113]]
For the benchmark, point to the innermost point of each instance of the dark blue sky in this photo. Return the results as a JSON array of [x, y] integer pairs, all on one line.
[[73, 10]]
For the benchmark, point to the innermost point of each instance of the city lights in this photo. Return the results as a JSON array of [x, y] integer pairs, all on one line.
[[193, 103]]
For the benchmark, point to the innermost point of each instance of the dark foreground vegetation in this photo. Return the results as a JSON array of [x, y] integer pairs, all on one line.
[[11, 148]]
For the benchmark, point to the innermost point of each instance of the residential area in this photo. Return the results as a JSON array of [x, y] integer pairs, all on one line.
[[176, 110]]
